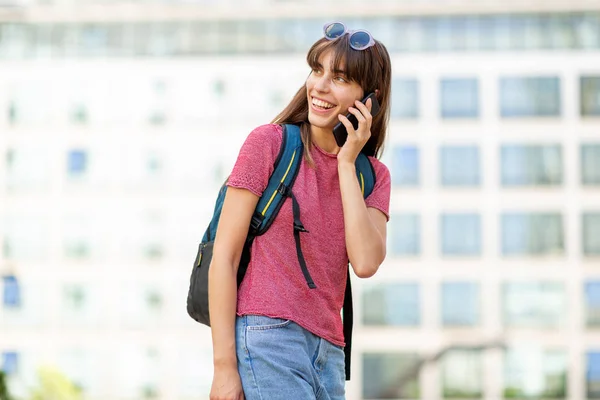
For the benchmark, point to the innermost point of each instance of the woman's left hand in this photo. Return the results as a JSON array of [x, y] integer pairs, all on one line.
[[357, 138]]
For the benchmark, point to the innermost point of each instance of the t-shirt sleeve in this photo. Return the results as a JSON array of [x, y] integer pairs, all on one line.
[[380, 197], [256, 159]]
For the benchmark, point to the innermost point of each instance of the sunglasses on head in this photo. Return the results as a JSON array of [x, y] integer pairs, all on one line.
[[359, 39]]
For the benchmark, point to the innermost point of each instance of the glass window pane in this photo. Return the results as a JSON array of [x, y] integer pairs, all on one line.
[[25, 237], [462, 374], [461, 234], [405, 166], [591, 234], [530, 372], [530, 97], [592, 303], [532, 234], [593, 375], [460, 304], [459, 98], [459, 166], [390, 376], [590, 164], [524, 165], [394, 304], [589, 87], [405, 98], [10, 362], [405, 234], [534, 304], [11, 297], [587, 30], [77, 162]]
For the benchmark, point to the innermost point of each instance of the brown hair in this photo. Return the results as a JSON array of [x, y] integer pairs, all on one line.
[[370, 68]]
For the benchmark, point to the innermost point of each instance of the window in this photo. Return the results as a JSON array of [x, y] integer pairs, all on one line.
[[530, 97], [138, 371], [405, 234], [462, 374], [10, 362], [592, 303], [77, 231], [461, 234], [591, 234], [535, 373], [534, 304], [384, 373], [525, 165], [27, 167], [77, 162], [590, 164], [143, 304], [405, 166], [459, 166], [394, 304], [460, 304], [532, 234], [593, 375], [405, 98], [459, 98], [25, 237], [590, 95], [12, 292]]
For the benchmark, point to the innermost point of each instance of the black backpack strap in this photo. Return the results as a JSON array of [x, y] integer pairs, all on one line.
[[348, 317], [298, 227], [366, 178]]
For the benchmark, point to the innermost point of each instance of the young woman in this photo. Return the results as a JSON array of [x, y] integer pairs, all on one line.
[[275, 338]]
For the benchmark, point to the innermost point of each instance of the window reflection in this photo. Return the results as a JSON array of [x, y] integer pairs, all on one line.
[[525, 165], [390, 376], [394, 304], [534, 304], [532, 372], [532, 234]]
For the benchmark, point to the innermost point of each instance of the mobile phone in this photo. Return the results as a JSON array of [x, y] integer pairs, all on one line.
[[339, 130]]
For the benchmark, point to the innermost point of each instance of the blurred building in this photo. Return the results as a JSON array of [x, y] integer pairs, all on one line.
[[119, 121]]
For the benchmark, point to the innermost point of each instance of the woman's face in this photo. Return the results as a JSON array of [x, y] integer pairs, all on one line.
[[329, 93]]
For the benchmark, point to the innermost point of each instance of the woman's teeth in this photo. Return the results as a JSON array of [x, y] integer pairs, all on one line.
[[322, 104]]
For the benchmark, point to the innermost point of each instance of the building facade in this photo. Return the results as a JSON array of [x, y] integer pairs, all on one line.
[[119, 122]]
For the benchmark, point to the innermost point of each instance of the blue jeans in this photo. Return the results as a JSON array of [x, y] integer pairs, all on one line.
[[278, 359]]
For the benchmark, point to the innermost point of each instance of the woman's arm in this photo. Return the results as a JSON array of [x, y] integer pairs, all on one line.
[[238, 206], [365, 228]]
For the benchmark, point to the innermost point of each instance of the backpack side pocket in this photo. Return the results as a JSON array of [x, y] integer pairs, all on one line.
[[197, 299]]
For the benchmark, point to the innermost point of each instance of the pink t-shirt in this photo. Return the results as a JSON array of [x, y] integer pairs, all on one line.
[[274, 285]]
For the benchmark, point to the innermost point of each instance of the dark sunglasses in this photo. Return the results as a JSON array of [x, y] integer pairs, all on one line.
[[359, 39]]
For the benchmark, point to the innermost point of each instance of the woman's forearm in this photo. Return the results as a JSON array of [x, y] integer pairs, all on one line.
[[364, 242], [222, 301]]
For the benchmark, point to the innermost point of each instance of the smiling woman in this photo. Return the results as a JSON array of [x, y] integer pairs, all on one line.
[[274, 323]]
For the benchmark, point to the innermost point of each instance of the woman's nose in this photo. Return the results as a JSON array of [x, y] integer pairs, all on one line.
[[322, 84]]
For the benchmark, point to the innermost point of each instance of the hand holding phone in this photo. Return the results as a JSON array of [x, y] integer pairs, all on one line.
[[339, 130]]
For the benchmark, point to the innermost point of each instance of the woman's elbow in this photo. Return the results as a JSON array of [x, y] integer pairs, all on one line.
[[367, 268]]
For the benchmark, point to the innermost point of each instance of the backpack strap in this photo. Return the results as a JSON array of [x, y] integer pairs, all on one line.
[[366, 178], [281, 180]]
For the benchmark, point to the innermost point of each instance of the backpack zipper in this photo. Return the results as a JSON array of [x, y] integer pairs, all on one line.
[[202, 245]]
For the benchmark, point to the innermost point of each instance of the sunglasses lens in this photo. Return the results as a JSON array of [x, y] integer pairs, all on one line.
[[334, 31], [360, 40]]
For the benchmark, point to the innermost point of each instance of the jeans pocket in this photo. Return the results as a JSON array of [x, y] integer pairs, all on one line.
[[262, 323]]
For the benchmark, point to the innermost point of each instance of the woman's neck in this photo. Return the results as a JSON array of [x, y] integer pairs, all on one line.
[[323, 138]]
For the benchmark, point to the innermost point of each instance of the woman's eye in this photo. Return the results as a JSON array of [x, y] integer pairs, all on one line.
[[340, 79]]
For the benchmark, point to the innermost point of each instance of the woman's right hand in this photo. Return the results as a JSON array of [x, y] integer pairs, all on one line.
[[226, 385]]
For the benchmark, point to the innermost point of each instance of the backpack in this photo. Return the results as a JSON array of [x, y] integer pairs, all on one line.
[[286, 167]]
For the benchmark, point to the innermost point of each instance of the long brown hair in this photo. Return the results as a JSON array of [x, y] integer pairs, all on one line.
[[370, 68]]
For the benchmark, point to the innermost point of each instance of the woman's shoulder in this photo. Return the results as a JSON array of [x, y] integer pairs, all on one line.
[[267, 133]]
